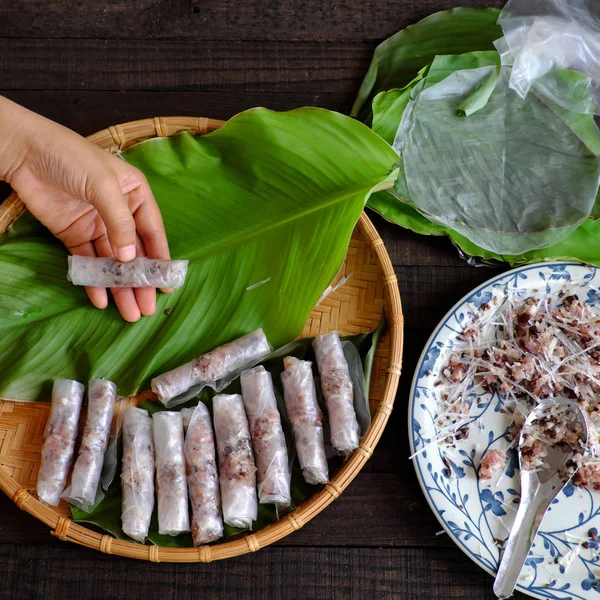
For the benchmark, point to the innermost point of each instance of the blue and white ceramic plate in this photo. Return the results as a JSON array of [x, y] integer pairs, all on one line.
[[564, 562]]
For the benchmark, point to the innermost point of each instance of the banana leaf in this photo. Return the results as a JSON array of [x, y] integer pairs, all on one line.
[[398, 59], [270, 198], [107, 513]]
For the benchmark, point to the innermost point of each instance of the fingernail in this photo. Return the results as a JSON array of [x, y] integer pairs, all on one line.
[[126, 253]]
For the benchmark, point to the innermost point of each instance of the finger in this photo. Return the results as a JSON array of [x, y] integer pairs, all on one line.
[[124, 297], [148, 219], [97, 295], [127, 304], [149, 223], [145, 297], [103, 191]]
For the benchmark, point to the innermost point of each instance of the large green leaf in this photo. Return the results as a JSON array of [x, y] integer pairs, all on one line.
[[107, 514], [398, 59], [270, 199]]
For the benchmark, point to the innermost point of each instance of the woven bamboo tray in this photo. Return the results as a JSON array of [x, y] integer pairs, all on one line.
[[353, 308]]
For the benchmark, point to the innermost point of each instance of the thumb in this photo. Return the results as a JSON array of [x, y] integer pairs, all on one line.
[[104, 193]]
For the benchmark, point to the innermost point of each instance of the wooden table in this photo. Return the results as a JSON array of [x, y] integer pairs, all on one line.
[[89, 65]]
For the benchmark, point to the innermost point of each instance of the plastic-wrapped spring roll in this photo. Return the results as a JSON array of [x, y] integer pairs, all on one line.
[[102, 395], [202, 476], [140, 272], [171, 484], [220, 363], [306, 418], [137, 474], [337, 391], [237, 472], [60, 436], [268, 440]]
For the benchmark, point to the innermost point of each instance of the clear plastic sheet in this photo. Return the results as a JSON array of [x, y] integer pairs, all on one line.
[[268, 439], [171, 482], [541, 36], [202, 476], [60, 435], [216, 369], [304, 414], [237, 471], [137, 474], [338, 392], [85, 479], [140, 272], [513, 176]]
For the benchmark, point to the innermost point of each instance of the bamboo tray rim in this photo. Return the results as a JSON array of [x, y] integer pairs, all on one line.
[[119, 137]]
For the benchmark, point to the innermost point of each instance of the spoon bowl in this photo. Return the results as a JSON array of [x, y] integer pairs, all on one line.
[[547, 464]]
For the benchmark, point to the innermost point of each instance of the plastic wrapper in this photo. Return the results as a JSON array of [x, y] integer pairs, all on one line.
[[541, 36], [268, 439], [237, 471], [60, 436], [140, 272], [338, 392], [202, 476], [171, 483], [88, 467], [216, 368], [303, 411], [511, 175], [137, 474]]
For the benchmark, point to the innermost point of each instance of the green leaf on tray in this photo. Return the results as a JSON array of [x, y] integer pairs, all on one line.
[[270, 199], [107, 514]]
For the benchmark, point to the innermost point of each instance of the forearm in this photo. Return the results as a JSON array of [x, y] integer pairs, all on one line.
[[18, 129]]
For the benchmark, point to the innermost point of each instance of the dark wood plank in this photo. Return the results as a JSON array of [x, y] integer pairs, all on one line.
[[216, 66], [66, 571], [229, 19], [88, 112]]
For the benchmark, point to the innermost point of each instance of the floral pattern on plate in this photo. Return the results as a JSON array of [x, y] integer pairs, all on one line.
[[564, 562]]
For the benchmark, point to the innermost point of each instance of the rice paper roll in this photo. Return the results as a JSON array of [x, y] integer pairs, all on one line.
[[137, 474], [268, 440], [336, 385], [222, 363], [237, 471], [171, 483], [306, 418], [60, 435], [202, 476], [140, 272], [85, 479]]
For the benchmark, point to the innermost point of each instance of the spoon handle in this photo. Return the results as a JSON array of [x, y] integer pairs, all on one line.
[[527, 522]]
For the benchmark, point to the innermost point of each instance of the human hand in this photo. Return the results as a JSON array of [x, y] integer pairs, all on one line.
[[95, 203]]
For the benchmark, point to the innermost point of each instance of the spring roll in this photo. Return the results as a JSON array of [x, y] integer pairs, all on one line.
[[60, 436], [171, 484], [337, 391], [137, 475], [102, 395], [268, 440], [140, 272], [221, 363], [306, 418], [202, 477], [237, 472]]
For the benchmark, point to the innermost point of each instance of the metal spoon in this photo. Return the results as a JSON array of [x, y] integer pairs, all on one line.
[[538, 489]]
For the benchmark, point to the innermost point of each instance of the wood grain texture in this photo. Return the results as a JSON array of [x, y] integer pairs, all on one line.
[[224, 20], [184, 65], [49, 572]]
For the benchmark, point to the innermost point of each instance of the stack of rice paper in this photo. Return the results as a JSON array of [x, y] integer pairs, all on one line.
[[508, 174]]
